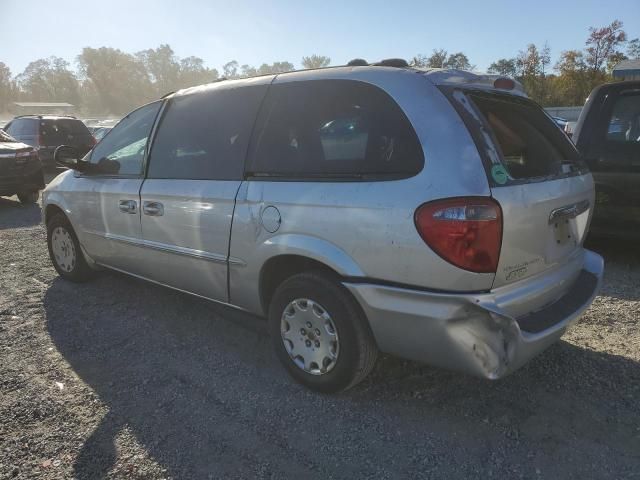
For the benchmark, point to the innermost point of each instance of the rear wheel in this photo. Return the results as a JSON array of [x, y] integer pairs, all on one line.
[[28, 198], [320, 334], [65, 252]]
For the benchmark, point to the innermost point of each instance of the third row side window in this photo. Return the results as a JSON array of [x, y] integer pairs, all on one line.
[[333, 128]]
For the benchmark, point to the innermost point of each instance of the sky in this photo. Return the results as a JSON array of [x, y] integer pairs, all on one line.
[[255, 32]]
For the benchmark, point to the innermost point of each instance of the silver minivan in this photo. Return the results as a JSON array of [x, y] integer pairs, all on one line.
[[434, 215]]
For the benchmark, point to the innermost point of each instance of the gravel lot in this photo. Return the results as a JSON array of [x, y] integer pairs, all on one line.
[[122, 379]]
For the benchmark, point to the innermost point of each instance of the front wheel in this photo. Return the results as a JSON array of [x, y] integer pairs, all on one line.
[[65, 252], [28, 198], [320, 334]]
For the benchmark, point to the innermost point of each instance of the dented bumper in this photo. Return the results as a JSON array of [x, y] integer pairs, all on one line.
[[488, 334]]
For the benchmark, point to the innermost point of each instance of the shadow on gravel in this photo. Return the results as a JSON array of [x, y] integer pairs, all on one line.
[[198, 386], [15, 215]]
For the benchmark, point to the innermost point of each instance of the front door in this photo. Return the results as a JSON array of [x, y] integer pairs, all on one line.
[[107, 196]]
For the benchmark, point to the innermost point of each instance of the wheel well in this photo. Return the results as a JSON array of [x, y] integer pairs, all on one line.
[[277, 269], [50, 211]]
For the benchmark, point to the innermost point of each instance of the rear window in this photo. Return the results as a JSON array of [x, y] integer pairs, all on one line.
[[62, 129], [22, 126], [529, 144], [334, 129]]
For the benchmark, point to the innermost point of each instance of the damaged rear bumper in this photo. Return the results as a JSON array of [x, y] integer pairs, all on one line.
[[487, 334]]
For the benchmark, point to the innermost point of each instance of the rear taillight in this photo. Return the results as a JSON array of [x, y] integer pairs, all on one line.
[[93, 141], [40, 142], [466, 231]]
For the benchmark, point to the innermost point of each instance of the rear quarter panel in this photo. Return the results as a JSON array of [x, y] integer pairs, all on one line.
[[366, 228]]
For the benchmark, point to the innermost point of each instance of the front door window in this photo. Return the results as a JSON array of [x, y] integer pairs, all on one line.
[[121, 151]]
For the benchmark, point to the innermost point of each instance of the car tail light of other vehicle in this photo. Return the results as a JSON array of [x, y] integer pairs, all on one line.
[[466, 231]]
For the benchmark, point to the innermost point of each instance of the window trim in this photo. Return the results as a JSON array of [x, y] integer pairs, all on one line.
[[143, 169], [261, 122]]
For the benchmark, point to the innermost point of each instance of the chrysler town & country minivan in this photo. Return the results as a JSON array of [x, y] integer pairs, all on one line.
[[434, 215]]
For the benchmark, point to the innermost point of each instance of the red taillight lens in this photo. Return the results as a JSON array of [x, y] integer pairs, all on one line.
[[40, 142], [466, 232]]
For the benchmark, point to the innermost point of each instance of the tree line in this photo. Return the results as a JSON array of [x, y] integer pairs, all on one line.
[[110, 81]]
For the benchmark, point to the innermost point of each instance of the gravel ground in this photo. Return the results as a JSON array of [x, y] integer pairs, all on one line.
[[118, 378]]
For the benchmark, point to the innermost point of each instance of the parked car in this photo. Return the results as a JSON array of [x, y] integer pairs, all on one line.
[[20, 170], [608, 136], [438, 216], [47, 132], [100, 132]]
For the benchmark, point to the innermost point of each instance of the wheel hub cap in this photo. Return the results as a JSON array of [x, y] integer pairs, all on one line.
[[310, 336], [63, 249]]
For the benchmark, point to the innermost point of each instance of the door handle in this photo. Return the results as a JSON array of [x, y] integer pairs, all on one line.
[[128, 206], [154, 209]]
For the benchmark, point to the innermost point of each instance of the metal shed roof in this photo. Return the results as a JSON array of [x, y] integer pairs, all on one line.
[[626, 68], [42, 104]]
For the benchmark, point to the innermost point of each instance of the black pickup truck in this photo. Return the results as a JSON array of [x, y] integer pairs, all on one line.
[[608, 137]]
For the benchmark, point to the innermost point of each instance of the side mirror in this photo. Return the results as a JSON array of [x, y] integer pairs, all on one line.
[[67, 156]]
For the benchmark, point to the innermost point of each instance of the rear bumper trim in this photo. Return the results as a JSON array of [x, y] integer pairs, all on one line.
[[577, 296], [473, 333]]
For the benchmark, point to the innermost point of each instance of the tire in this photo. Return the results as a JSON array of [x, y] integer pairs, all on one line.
[[346, 344], [65, 252], [28, 198]]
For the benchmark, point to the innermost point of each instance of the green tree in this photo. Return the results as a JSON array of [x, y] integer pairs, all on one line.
[[437, 59], [458, 61], [230, 70], [163, 68], [193, 72], [119, 80], [633, 48], [531, 66], [7, 88], [49, 80], [315, 61], [440, 58], [602, 44], [504, 66], [572, 84], [275, 67]]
